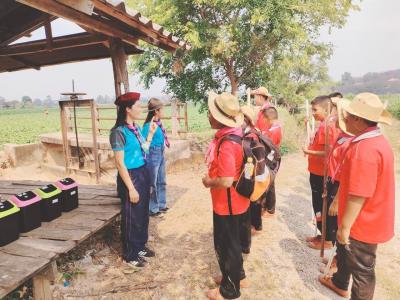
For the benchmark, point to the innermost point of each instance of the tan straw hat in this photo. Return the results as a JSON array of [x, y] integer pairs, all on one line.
[[263, 91], [365, 105], [249, 112], [225, 109]]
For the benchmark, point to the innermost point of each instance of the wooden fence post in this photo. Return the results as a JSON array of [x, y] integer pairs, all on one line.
[[174, 123]]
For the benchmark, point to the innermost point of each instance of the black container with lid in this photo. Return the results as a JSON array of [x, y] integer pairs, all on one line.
[[50, 203]]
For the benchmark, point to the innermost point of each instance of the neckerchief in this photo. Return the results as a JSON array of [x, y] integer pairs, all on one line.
[[210, 154], [135, 131], [164, 132], [369, 133]]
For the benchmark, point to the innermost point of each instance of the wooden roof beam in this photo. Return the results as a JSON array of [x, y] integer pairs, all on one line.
[[16, 33], [25, 62], [148, 35], [64, 42], [101, 26]]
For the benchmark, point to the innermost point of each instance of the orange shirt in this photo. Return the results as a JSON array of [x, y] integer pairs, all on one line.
[[368, 171], [316, 163], [262, 122], [275, 134], [227, 164], [336, 155]]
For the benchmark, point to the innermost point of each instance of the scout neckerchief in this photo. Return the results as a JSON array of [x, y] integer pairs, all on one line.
[[370, 133], [164, 132], [135, 131], [210, 154]]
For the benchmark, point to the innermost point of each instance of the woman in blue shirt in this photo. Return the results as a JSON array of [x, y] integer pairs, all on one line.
[[133, 184], [155, 134]]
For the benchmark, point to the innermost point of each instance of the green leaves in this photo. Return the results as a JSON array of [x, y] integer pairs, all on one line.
[[238, 44]]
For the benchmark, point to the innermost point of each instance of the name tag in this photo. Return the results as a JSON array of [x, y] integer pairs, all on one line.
[[54, 201]]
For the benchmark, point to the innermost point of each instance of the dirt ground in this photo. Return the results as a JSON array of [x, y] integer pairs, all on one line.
[[280, 266]]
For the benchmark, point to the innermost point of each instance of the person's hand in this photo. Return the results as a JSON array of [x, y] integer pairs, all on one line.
[[333, 208], [305, 150], [343, 235], [153, 126], [206, 181], [133, 196], [306, 120]]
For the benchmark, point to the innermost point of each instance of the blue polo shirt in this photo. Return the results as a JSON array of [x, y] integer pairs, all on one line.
[[123, 139], [158, 137]]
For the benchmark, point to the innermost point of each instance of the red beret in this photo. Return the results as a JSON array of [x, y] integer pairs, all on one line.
[[131, 97]]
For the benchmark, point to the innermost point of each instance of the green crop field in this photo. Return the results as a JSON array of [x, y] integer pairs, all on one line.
[[20, 126]]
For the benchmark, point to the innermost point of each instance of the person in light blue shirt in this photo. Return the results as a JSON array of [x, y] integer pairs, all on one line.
[[155, 134], [133, 182]]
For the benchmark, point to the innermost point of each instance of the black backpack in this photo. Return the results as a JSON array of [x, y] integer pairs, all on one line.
[[261, 162]]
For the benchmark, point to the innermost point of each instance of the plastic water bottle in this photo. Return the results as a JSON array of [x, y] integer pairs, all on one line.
[[271, 155], [249, 168]]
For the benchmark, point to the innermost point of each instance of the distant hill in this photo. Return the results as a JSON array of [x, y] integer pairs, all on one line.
[[378, 83]]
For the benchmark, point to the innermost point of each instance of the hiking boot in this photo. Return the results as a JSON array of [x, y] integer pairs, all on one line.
[[146, 252]]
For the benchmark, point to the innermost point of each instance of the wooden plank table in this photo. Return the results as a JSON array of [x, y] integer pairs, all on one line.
[[33, 255]]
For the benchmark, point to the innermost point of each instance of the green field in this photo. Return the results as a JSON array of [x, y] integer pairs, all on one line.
[[20, 126]]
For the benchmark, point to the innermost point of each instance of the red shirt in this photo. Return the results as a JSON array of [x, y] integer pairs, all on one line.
[[262, 122], [336, 155], [368, 171], [275, 134], [316, 163], [227, 164]]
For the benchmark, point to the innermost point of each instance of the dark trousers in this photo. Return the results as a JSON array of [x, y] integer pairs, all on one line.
[[245, 232], [255, 213], [331, 222], [228, 249], [317, 188], [357, 260], [270, 199], [134, 216]]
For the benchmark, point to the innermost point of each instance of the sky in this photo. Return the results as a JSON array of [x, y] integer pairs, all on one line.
[[369, 42]]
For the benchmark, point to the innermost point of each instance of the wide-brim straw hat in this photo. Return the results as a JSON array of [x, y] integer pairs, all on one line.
[[263, 91], [249, 112], [225, 109], [365, 105]]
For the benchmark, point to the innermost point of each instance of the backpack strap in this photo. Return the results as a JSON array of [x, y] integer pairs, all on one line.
[[236, 139], [230, 137]]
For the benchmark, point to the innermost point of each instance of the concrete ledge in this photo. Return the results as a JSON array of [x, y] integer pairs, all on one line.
[[24, 154]]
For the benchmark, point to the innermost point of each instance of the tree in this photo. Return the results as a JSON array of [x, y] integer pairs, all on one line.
[[48, 102], [238, 43], [26, 101]]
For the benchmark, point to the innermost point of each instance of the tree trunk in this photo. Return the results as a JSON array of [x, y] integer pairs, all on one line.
[[232, 77]]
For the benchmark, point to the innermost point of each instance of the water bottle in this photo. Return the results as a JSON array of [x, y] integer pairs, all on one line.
[[271, 155], [249, 168]]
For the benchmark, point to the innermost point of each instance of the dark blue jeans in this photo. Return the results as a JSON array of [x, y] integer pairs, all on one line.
[[134, 216], [156, 168]]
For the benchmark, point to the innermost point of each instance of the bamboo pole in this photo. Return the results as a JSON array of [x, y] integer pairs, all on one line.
[[325, 193]]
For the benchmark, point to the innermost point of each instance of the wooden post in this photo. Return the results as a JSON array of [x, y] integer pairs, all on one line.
[[118, 58], [186, 119], [64, 133], [174, 122], [42, 282], [95, 131]]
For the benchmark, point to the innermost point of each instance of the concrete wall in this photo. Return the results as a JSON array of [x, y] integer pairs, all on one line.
[[25, 154]]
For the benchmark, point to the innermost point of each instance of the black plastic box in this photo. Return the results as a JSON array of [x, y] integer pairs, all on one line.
[[69, 195], [50, 203], [9, 222], [30, 210]]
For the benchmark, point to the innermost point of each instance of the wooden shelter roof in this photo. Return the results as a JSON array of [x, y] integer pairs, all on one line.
[[102, 21]]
